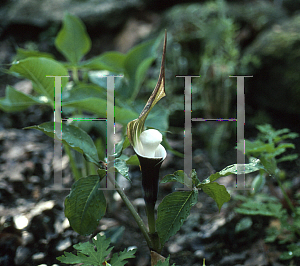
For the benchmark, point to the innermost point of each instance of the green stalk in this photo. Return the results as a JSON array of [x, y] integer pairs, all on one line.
[[152, 232], [85, 169], [151, 218], [76, 173], [92, 169], [285, 195], [134, 213], [75, 74]]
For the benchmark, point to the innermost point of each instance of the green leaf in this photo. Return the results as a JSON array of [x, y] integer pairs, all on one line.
[[217, 192], [253, 166], [17, 101], [85, 205], [98, 77], [91, 99], [178, 176], [195, 178], [73, 40], [269, 133], [122, 168], [140, 76], [133, 160], [294, 251], [158, 119], [87, 254], [269, 164], [111, 61], [120, 258], [272, 234], [258, 183], [23, 54], [291, 135], [73, 136], [115, 234], [173, 211], [120, 146], [36, 69], [290, 157], [126, 143], [96, 253], [181, 177], [70, 258], [136, 63], [256, 208], [256, 147], [287, 255]]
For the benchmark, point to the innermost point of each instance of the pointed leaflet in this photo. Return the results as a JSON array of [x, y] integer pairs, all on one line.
[[173, 211], [120, 258], [86, 204], [36, 69], [89, 255], [74, 137], [73, 40], [254, 165], [217, 192], [181, 177], [15, 100], [135, 127]]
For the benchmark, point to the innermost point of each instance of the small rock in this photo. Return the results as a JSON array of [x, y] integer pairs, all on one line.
[[199, 254], [64, 244], [174, 248], [139, 202], [27, 238], [38, 257], [34, 179], [22, 254], [42, 206], [233, 259], [15, 153], [123, 182], [106, 223], [131, 248], [24, 86]]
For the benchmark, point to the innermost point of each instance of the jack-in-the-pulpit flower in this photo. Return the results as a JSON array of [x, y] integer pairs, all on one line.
[[151, 154], [149, 145], [146, 144]]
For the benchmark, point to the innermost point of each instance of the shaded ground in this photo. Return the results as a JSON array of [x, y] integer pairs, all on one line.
[[26, 173]]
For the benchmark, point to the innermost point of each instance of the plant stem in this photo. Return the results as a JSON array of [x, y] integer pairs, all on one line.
[[75, 74], [74, 169], [287, 200], [134, 213], [151, 218], [285, 195], [151, 223]]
